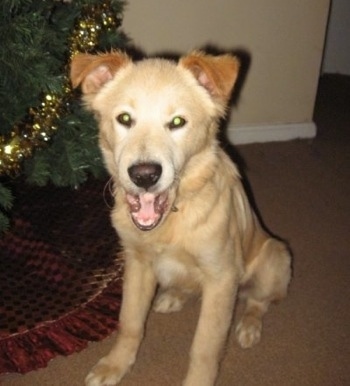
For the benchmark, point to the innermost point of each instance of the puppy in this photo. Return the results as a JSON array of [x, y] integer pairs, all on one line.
[[180, 209]]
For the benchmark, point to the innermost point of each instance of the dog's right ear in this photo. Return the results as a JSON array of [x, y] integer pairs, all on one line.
[[93, 71]]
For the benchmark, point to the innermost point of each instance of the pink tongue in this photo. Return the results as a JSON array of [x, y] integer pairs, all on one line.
[[147, 212]]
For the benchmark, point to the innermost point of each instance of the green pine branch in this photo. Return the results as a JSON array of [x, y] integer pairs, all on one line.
[[34, 52]]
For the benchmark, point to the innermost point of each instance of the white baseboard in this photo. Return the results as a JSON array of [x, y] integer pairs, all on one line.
[[240, 135]]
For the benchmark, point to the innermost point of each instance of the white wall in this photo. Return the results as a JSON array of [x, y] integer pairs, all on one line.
[[285, 42], [337, 51]]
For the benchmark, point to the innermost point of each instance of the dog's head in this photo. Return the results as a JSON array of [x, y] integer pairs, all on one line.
[[154, 116]]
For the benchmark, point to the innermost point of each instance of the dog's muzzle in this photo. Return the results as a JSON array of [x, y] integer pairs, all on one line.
[[146, 208]]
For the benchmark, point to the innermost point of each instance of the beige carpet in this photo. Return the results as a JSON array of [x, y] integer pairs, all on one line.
[[302, 190]]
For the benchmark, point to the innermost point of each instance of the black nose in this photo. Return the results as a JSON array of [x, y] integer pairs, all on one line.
[[145, 175]]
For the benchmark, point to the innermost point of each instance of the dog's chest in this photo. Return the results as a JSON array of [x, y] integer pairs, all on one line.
[[174, 266]]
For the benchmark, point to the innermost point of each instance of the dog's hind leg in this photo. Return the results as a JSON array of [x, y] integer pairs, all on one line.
[[267, 282], [138, 290], [170, 300], [248, 330]]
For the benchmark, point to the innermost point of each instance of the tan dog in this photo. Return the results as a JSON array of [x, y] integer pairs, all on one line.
[[180, 209]]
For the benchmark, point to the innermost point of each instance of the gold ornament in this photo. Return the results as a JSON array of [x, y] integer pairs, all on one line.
[[39, 125]]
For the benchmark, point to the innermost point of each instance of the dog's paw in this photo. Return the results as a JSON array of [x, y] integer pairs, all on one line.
[[103, 374], [248, 332], [168, 302]]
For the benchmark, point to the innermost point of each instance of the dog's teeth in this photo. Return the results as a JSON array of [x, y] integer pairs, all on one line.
[[160, 203], [134, 203]]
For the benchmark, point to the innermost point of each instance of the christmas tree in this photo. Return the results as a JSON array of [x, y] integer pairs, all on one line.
[[45, 134]]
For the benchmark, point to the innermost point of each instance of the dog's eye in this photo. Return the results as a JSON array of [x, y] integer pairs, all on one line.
[[125, 119], [176, 123]]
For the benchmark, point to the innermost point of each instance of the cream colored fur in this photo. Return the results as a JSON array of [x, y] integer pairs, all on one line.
[[199, 234]]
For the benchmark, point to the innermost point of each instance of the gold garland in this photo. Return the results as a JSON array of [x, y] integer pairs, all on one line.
[[40, 124]]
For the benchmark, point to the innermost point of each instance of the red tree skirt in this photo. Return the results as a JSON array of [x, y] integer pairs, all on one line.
[[60, 275]]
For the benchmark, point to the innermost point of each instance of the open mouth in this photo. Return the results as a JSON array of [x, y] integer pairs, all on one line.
[[147, 209]]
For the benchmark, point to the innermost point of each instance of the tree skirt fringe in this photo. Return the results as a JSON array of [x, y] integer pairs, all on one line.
[[33, 349], [60, 275]]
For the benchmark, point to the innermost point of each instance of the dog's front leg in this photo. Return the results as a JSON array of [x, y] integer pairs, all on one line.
[[218, 300], [138, 290]]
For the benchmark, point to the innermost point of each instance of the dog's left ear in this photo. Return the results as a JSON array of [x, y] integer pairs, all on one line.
[[217, 74]]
